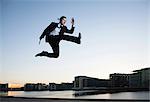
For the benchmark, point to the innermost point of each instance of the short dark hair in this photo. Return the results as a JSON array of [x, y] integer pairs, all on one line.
[[62, 17]]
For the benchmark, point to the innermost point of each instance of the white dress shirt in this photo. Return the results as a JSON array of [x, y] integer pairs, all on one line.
[[56, 30]]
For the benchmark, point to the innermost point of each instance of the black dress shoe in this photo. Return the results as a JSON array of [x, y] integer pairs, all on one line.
[[43, 53], [39, 54], [79, 36]]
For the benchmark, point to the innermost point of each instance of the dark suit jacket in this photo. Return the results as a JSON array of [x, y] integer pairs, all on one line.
[[52, 26]]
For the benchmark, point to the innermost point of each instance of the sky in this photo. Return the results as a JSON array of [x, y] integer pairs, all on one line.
[[115, 39]]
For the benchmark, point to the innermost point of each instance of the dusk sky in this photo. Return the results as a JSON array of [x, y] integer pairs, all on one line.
[[115, 39]]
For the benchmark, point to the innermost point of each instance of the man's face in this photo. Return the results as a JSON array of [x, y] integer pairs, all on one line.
[[63, 21]]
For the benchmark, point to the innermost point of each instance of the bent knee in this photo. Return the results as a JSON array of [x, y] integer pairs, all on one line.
[[56, 55]]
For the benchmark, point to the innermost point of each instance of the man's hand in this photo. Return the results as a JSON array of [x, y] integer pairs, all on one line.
[[72, 21], [39, 42], [41, 37]]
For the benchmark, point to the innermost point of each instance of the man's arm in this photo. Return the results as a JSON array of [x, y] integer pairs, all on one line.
[[71, 30], [47, 30], [72, 27]]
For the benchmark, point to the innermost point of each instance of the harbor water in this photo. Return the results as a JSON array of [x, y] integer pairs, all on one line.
[[70, 94]]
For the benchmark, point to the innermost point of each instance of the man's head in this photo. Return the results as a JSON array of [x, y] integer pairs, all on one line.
[[62, 20]]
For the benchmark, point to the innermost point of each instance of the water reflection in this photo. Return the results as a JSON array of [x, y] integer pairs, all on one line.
[[128, 95], [15, 93], [85, 93], [71, 94], [3, 93]]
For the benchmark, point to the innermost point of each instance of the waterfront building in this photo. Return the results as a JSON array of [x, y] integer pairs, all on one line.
[[4, 87], [135, 80], [52, 86], [66, 86], [140, 78], [119, 80], [35, 87], [62, 86], [88, 83]]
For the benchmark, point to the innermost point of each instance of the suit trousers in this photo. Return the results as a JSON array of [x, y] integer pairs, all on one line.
[[54, 40]]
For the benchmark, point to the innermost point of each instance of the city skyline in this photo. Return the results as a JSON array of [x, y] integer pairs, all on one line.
[[140, 77], [115, 38]]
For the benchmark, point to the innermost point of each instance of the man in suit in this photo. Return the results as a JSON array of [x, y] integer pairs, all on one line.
[[55, 33]]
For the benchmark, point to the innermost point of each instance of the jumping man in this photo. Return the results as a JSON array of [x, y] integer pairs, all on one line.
[[55, 33]]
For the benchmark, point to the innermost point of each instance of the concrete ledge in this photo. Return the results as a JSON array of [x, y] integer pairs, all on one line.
[[33, 99]]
